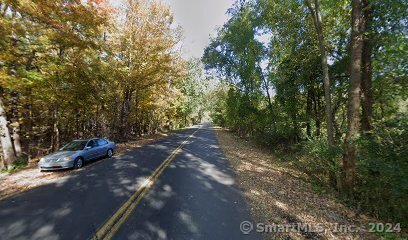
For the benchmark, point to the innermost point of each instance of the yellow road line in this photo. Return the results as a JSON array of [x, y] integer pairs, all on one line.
[[113, 224]]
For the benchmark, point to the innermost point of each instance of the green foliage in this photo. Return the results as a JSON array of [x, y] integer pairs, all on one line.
[[21, 162], [217, 106], [194, 89], [383, 168], [322, 162], [268, 58]]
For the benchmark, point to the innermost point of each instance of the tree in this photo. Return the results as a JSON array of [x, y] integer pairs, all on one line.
[[366, 79], [194, 88], [6, 144], [81, 69], [148, 59], [368, 76], [353, 112], [317, 20], [237, 55]]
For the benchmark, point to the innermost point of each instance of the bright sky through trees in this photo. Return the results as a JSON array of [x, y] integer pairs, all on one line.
[[199, 19]]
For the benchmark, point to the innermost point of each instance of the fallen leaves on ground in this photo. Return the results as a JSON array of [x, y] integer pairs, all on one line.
[[279, 195]]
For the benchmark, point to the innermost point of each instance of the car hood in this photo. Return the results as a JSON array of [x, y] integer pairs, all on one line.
[[60, 154]]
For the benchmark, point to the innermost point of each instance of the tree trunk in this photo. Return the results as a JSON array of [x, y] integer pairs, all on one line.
[[366, 79], [265, 83], [15, 125], [353, 113], [308, 112], [316, 109], [55, 137], [317, 20], [138, 114], [77, 124], [6, 144], [2, 164], [27, 123], [124, 115]]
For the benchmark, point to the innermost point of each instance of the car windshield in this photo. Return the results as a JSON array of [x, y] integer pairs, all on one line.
[[74, 146]]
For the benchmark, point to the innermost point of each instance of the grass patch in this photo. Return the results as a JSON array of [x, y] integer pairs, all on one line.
[[19, 164]]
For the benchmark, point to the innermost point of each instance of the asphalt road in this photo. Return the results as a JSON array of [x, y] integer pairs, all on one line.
[[195, 196]]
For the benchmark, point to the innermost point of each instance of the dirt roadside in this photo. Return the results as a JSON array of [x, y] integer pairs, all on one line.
[[278, 196]]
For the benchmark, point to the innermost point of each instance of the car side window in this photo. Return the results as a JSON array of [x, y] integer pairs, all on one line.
[[102, 142], [91, 144]]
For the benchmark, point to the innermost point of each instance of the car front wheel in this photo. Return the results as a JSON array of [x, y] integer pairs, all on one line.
[[79, 162], [109, 153]]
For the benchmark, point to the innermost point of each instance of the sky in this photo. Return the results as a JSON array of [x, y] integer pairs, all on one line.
[[199, 19]]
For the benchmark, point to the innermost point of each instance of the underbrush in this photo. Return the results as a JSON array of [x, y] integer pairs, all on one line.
[[382, 169], [19, 163]]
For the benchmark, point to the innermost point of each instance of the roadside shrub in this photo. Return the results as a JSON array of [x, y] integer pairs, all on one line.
[[19, 163], [322, 162], [218, 118], [383, 170]]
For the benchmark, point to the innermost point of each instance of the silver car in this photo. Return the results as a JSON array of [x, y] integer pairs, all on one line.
[[76, 153]]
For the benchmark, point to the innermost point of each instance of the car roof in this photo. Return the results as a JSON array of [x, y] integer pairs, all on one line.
[[88, 139]]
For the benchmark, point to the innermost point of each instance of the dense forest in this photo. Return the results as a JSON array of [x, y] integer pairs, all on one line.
[[77, 69], [323, 83]]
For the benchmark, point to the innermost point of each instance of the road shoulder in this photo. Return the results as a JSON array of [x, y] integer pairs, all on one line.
[[279, 196]]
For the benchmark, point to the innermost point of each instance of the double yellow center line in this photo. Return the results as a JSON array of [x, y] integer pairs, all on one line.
[[112, 225]]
